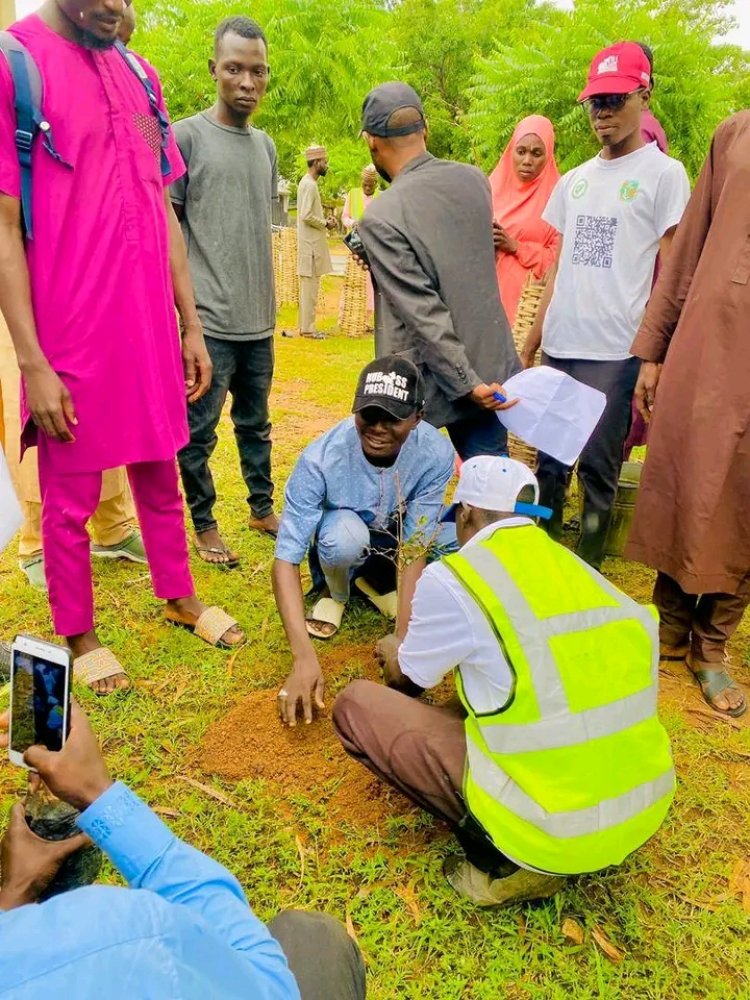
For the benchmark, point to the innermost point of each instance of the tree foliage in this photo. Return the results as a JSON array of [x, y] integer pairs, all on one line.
[[480, 66], [697, 82]]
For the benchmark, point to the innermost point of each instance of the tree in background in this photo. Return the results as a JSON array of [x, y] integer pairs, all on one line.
[[479, 65], [543, 68], [324, 58]]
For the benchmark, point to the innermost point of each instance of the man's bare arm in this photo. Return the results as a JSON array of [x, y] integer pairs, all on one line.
[[534, 338], [48, 399], [196, 360], [305, 682]]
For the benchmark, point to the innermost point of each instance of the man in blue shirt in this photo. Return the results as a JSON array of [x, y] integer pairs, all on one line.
[[372, 485], [183, 930]]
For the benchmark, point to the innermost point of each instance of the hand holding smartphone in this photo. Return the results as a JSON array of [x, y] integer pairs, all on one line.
[[39, 696]]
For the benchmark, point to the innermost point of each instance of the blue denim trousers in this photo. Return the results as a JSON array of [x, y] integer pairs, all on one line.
[[243, 369]]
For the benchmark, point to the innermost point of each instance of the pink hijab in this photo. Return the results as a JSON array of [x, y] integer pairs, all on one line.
[[516, 202]]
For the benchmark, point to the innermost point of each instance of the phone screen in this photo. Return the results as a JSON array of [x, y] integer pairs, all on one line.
[[39, 709]]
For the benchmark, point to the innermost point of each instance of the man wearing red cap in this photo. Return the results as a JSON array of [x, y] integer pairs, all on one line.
[[614, 214]]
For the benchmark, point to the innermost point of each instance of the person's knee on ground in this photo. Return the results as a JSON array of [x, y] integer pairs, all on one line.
[[342, 545], [348, 707], [324, 960]]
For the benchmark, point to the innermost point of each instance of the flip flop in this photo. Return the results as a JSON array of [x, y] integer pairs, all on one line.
[[314, 336], [387, 604], [217, 550], [325, 611], [716, 682], [210, 626], [98, 665]]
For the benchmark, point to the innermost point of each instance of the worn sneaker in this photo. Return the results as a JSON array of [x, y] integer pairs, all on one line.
[[34, 570], [484, 890], [129, 548]]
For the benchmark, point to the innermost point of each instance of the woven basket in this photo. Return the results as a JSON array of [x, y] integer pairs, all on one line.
[[353, 313], [285, 265], [528, 306]]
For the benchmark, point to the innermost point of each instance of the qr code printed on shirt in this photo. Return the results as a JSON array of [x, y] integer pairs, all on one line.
[[594, 242]]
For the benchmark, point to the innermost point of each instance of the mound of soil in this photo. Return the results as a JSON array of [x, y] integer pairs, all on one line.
[[250, 742]]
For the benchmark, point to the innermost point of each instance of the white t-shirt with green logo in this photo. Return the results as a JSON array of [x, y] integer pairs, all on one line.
[[612, 214]]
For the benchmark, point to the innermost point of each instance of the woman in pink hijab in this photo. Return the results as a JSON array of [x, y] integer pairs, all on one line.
[[521, 184]]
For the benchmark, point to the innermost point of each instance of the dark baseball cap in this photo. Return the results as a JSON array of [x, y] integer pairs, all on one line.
[[392, 384], [381, 103]]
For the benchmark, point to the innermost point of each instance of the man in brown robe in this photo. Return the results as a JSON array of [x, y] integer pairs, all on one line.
[[691, 519]]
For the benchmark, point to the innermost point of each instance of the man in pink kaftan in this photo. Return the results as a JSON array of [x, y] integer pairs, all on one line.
[[104, 381]]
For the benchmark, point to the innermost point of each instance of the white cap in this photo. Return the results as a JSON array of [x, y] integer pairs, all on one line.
[[493, 483]]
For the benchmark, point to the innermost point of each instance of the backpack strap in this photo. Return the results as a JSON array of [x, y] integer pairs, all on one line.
[[27, 85], [148, 86]]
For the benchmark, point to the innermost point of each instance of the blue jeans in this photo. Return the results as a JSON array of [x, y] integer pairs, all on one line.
[[482, 434], [244, 369], [344, 544]]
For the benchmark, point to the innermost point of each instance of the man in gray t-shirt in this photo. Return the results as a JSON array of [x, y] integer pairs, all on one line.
[[224, 203]]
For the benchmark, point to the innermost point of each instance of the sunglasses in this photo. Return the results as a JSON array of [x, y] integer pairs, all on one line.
[[608, 102]]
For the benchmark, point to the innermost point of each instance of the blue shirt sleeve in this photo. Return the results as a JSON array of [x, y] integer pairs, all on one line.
[[146, 852], [421, 520], [304, 497]]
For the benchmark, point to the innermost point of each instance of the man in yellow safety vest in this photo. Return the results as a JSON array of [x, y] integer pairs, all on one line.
[[556, 764]]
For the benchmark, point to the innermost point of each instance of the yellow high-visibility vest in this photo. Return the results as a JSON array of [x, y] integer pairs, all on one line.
[[575, 771], [357, 202]]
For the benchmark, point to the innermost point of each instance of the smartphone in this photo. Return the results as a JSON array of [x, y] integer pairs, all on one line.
[[354, 242], [40, 675]]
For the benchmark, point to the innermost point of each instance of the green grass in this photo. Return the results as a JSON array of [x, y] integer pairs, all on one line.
[[669, 908]]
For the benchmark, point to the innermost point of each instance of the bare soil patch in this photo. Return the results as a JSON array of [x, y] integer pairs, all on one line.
[[250, 742]]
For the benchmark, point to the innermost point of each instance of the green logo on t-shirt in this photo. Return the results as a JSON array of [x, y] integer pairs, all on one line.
[[579, 188], [629, 190]]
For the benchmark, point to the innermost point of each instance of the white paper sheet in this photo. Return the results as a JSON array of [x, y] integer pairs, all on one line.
[[10, 510], [556, 413]]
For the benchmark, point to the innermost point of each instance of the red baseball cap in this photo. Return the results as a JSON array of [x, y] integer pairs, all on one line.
[[619, 69]]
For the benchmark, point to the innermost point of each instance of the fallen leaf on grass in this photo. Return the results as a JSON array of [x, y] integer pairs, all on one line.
[[219, 796], [301, 852], [166, 811], [521, 925], [611, 951], [407, 894], [739, 883], [350, 925], [572, 931]]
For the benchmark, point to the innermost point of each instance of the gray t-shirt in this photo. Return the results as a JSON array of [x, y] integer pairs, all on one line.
[[227, 194]]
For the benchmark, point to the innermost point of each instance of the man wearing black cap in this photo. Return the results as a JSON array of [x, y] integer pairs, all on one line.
[[364, 498], [429, 243]]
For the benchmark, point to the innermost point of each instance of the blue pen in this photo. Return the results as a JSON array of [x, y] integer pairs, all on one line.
[[499, 397]]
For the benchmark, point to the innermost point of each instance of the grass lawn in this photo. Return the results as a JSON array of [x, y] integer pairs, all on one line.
[[303, 827]]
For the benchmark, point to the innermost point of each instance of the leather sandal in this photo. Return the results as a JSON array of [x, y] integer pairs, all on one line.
[[714, 682]]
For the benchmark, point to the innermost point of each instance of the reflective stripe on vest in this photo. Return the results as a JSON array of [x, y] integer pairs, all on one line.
[[534, 633], [576, 822]]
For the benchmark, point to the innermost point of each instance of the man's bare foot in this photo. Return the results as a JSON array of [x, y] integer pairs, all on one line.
[[87, 642], [269, 524], [212, 548], [189, 610]]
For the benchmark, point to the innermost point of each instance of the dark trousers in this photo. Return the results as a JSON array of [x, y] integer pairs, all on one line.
[[244, 369], [601, 459], [482, 434], [324, 960], [704, 622]]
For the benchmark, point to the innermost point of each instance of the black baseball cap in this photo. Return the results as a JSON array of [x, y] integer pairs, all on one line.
[[392, 384], [381, 103]]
